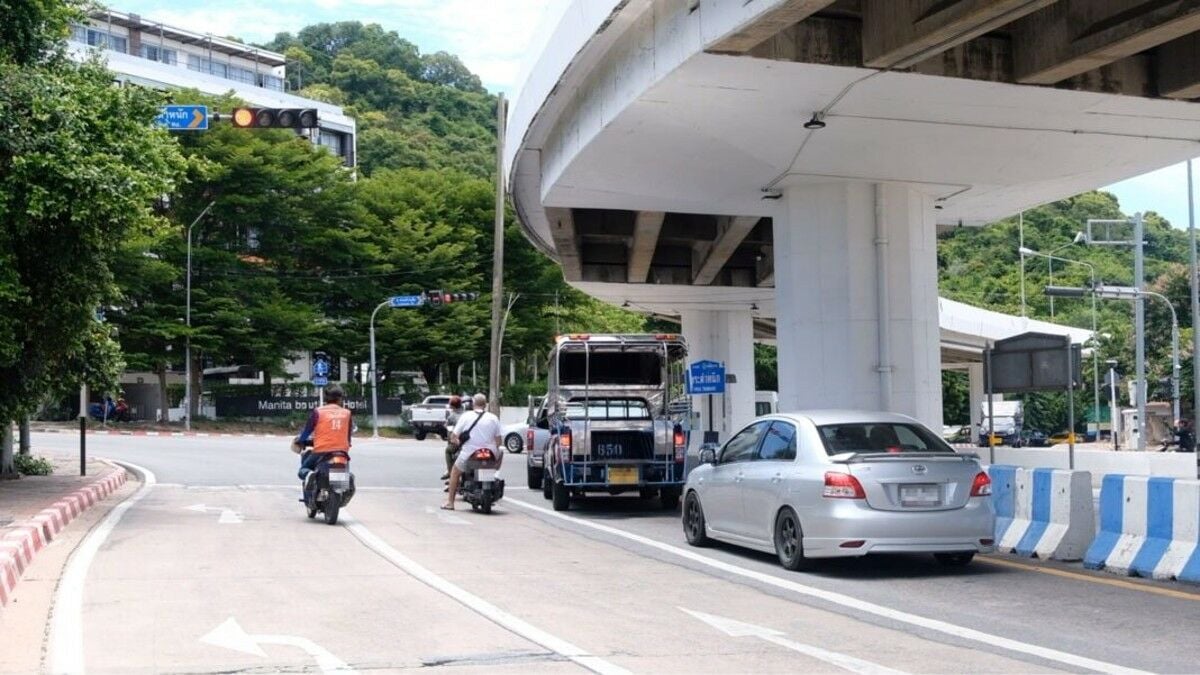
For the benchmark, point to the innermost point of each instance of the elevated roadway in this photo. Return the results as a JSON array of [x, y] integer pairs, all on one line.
[[789, 162]]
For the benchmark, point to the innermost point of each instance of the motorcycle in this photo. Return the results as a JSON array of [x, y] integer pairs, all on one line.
[[329, 487], [479, 485]]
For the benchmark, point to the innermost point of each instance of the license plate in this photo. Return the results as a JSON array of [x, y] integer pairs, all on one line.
[[622, 475], [485, 475], [339, 479], [920, 495]]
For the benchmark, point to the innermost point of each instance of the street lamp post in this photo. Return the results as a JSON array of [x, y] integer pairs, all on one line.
[[1095, 335], [1112, 404], [1079, 236], [374, 377], [187, 349]]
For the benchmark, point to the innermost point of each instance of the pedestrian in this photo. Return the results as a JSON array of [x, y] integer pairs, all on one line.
[[455, 411], [1185, 438]]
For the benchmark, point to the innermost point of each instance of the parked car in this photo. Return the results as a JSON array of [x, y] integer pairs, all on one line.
[[954, 433], [513, 436], [429, 417], [825, 484], [1035, 438]]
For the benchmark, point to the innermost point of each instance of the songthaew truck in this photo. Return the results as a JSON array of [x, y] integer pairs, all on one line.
[[1007, 425], [617, 410]]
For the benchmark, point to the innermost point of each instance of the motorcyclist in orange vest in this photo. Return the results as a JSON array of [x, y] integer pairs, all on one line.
[[328, 430]]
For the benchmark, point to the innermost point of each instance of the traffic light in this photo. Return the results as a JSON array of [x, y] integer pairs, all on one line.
[[434, 298], [274, 118], [459, 297]]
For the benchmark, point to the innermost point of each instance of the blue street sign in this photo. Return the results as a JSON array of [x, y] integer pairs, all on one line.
[[183, 117], [406, 301], [320, 368], [706, 377], [320, 380]]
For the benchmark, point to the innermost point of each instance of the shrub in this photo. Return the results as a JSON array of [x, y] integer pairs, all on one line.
[[33, 466]]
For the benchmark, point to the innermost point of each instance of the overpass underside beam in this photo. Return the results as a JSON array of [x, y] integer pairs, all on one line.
[[1129, 47], [832, 260]]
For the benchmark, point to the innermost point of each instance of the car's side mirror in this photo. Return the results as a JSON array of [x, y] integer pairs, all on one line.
[[708, 456]]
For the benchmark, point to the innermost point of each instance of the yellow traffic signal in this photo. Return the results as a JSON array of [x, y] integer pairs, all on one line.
[[243, 117], [275, 118]]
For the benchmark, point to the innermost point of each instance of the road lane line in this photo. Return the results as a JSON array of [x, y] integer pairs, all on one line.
[[847, 601], [66, 619], [477, 604], [735, 628], [1067, 574]]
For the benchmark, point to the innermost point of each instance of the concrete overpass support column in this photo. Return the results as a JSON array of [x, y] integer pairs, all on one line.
[[837, 246], [975, 397], [724, 336]]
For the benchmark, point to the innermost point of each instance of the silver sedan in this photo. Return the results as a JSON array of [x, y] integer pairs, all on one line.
[[825, 484]]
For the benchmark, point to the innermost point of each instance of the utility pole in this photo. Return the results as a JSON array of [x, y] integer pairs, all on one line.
[[497, 264], [187, 350], [1195, 285], [1139, 327]]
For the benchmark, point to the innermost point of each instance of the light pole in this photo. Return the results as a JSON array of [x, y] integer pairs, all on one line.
[[374, 377], [1195, 288], [187, 349], [1136, 294], [1095, 335], [1079, 236], [1112, 403]]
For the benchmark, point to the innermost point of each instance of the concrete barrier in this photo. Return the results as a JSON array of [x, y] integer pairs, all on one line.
[[1149, 527], [1042, 513], [1098, 462]]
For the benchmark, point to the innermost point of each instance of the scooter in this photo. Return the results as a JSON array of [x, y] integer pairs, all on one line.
[[479, 485], [329, 487]]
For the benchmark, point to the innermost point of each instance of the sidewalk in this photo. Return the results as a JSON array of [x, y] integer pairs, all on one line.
[[35, 509]]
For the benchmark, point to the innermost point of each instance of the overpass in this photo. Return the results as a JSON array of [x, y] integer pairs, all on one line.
[[788, 162]]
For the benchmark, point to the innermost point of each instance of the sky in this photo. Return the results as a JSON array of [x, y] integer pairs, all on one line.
[[493, 38]]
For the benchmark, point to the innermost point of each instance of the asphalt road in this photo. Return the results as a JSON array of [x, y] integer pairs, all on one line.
[[216, 569]]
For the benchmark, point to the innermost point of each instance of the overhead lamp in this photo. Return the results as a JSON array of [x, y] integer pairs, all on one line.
[[817, 121], [754, 307]]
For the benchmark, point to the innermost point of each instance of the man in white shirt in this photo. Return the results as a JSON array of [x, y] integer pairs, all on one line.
[[482, 430]]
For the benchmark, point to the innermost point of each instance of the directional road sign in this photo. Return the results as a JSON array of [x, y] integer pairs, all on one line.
[[706, 377], [320, 381], [406, 301], [183, 117], [321, 367]]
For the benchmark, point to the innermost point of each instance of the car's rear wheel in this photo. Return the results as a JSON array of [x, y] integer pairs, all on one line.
[[535, 477], [513, 443], [789, 541], [669, 498], [419, 434], [547, 483], [693, 521], [955, 559], [561, 496]]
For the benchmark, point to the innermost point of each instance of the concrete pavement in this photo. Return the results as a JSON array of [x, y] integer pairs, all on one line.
[[611, 579]]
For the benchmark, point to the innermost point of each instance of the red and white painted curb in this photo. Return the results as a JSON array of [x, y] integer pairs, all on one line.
[[19, 547]]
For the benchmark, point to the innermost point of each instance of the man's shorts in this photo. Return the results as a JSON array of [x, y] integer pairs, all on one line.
[[465, 454]]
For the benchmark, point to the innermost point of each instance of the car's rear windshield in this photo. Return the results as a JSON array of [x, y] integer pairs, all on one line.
[[438, 400], [633, 367], [889, 437], [608, 409]]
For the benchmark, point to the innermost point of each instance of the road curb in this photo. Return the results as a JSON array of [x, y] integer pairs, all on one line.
[[19, 547], [143, 432]]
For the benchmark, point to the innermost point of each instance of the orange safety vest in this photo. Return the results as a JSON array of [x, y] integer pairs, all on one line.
[[332, 431]]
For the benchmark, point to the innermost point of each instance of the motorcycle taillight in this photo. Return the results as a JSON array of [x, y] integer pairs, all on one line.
[[483, 455], [338, 460]]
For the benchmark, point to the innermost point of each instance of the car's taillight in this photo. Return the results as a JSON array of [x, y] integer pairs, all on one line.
[[842, 486], [981, 486], [483, 455], [529, 439], [564, 445], [680, 444]]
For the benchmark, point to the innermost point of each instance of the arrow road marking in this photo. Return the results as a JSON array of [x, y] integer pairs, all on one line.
[[734, 628], [228, 516], [231, 635], [446, 516]]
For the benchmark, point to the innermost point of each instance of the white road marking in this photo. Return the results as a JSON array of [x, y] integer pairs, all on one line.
[[478, 605], [230, 635], [847, 601], [66, 621], [228, 516], [446, 516], [734, 628]]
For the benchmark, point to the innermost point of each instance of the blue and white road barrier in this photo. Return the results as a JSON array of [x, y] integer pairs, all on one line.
[[1149, 527], [1043, 513]]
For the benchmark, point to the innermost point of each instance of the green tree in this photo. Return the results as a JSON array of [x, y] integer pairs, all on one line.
[[81, 166]]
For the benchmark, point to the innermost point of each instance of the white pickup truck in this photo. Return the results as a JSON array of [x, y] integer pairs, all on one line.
[[429, 416]]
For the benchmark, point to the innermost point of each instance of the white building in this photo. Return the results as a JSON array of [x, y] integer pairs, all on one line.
[[151, 54]]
